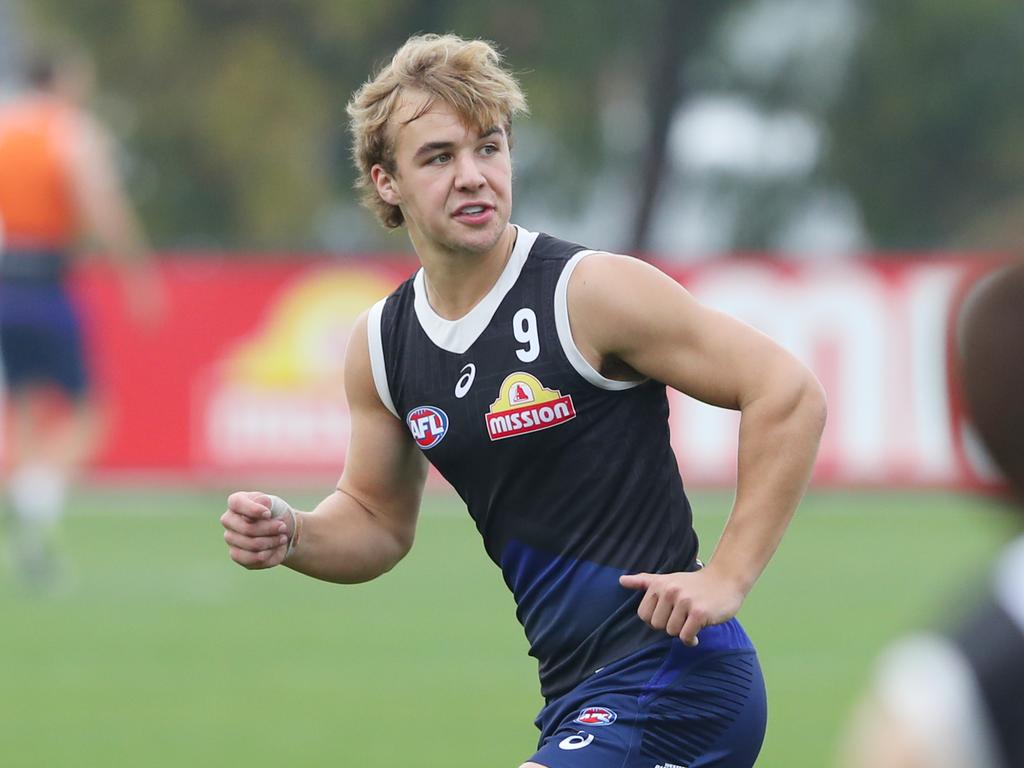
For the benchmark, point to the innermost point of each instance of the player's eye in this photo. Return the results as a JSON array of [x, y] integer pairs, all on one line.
[[440, 159], [489, 149]]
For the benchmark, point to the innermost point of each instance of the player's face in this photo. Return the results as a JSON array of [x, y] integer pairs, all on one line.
[[453, 183]]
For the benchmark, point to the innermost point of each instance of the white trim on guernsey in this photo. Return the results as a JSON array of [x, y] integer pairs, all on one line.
[[579, 362], [380, 375], [1010, 581], [458, 335], [927, 689]]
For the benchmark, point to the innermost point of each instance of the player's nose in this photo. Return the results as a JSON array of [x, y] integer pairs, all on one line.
[[467, 173]]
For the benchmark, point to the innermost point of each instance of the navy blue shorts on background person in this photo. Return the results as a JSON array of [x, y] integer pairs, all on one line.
[[665, 706], [40, 338]]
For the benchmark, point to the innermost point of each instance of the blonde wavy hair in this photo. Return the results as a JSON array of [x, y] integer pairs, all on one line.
[[465, 74]]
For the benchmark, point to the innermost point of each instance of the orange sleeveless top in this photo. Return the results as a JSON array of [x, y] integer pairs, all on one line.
[[37, 207]]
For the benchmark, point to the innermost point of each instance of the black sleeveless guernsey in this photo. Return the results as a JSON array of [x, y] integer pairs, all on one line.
[[991, 641], [570, 477]]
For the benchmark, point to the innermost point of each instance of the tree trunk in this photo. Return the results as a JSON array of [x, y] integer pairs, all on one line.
[[681, 22]]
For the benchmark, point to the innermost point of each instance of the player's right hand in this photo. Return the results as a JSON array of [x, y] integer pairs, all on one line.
[[254, 539], [145, 296]]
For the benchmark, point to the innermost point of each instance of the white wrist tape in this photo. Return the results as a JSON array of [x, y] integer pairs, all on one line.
[[279, 508]]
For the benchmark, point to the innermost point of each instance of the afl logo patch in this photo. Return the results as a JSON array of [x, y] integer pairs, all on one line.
[[596, 716], [428, 425]]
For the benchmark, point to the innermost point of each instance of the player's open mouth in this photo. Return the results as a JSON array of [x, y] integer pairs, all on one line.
[[474, 213]]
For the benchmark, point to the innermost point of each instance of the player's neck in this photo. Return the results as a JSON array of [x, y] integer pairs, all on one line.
[[457, 281]]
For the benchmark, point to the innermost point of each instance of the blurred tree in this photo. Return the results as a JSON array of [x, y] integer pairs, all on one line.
[[748, 137], [233, 112], [10, 39], [930, 133], [682, 26]]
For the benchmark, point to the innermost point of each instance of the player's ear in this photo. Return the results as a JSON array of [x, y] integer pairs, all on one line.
[[385, 184]]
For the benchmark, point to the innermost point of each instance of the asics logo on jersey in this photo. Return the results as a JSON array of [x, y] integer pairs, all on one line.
[[465, 381], [525, 405], [428, 425], [669, 765]]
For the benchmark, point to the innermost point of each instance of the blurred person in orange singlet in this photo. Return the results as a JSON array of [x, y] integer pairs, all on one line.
[[59, 183]]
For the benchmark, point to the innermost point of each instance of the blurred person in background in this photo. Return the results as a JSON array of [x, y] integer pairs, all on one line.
[[956, 699], [532, 373], [59, 182]]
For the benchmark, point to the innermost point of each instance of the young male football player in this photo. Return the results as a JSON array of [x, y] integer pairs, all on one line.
[[532, 372]]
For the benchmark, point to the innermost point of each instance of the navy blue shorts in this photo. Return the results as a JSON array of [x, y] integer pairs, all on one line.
[[40, 338], [665, 706]]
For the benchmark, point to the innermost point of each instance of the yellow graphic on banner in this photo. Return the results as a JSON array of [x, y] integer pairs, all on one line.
[[277, 398], [302, 341]]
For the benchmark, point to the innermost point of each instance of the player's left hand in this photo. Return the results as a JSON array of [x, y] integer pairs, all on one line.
[[682, 604]]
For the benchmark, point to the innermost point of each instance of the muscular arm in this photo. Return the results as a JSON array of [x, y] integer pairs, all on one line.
[[109, 217], [101, 198], [628, 318], [879, 740], [924, 709], [367, 525]]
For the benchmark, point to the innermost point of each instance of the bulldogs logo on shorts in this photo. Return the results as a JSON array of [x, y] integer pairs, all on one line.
[[596, 716]]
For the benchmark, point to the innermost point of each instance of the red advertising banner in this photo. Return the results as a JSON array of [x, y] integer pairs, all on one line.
[[244, 373], [243, 376]]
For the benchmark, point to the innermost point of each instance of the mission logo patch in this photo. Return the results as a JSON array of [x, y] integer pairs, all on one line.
[[525, 405]]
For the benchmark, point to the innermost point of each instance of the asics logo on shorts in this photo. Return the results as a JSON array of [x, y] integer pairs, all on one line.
[[576, 741]]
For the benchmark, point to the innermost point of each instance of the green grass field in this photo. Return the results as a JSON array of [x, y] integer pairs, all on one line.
[[164, 653]]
